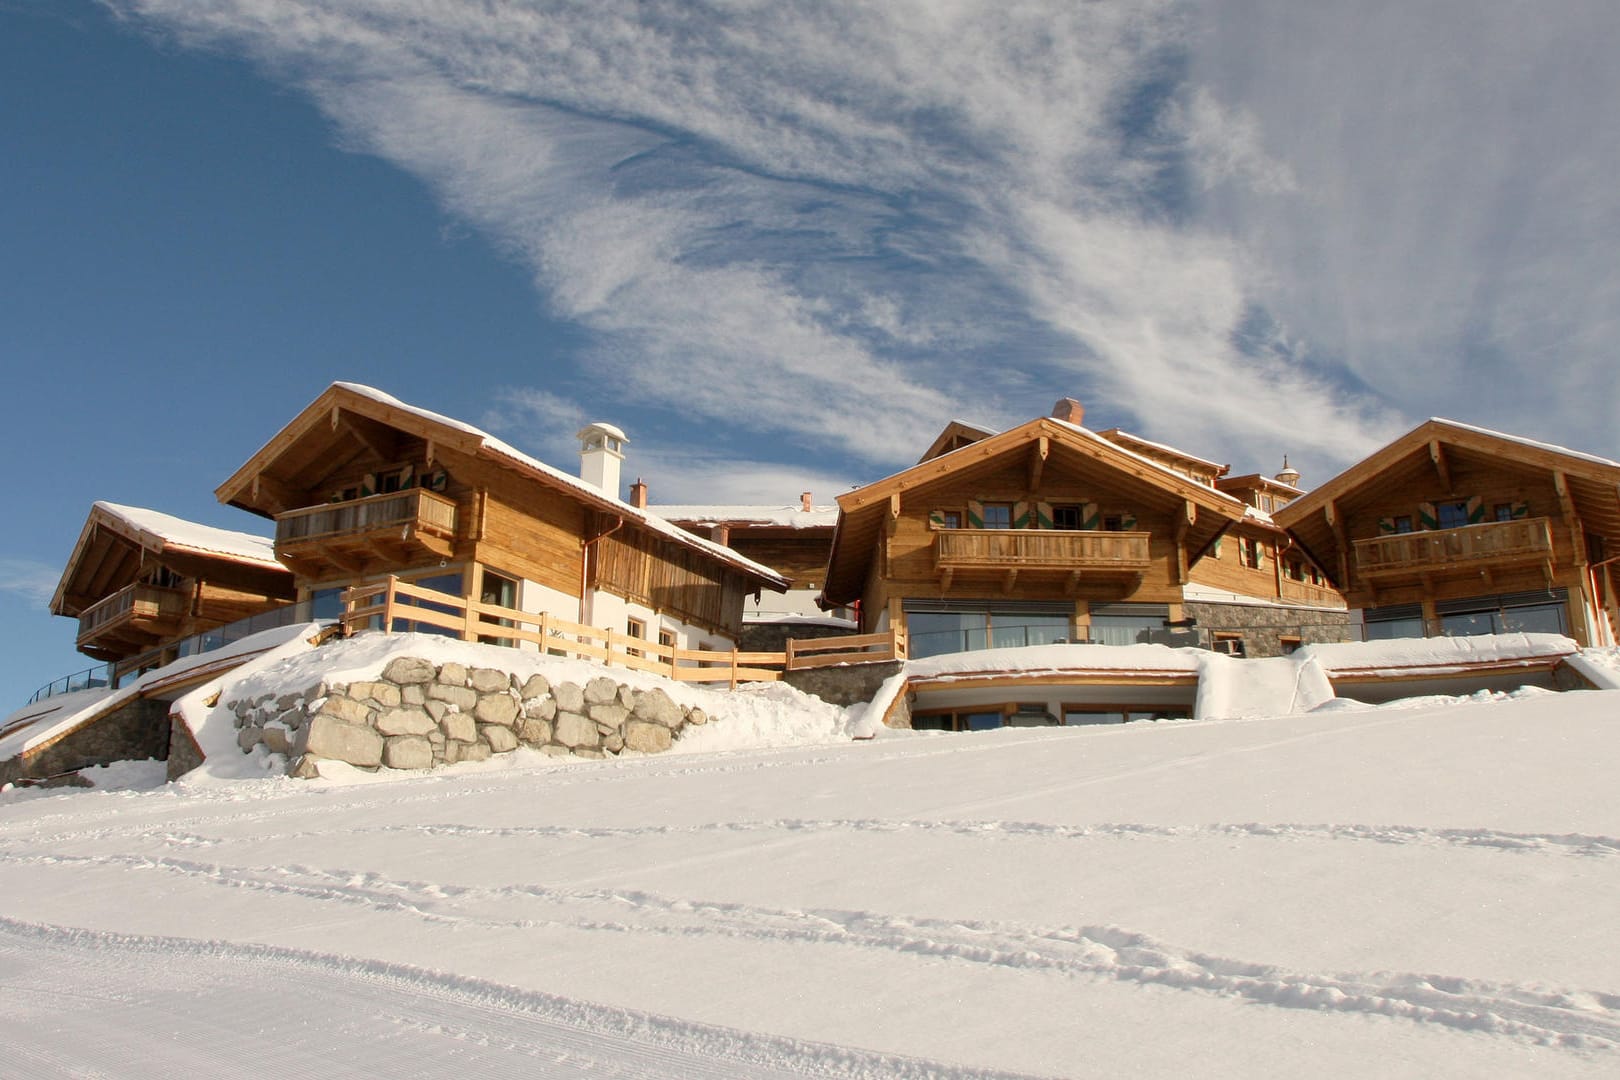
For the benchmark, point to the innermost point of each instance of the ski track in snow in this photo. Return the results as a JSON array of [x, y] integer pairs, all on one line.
[[97, 990], [1579, 844], [1570, 1019]]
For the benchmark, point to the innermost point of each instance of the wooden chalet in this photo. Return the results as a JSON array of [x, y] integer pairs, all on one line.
[[1045, 533], [140, 582], [794, 540], [1455, 530], [362, 487]]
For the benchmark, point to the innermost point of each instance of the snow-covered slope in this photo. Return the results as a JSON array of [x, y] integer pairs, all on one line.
[[1353, 892]]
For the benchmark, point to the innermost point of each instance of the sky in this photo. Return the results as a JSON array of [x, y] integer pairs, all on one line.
[[782, 245]]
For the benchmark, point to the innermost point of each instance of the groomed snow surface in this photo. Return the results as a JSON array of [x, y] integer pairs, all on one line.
[[1420, 890]]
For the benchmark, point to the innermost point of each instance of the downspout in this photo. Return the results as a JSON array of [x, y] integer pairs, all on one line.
[[585, 562]]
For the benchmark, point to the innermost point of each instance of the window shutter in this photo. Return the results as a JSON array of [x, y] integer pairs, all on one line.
[[1090, 517], [975, 514], [1521, 510], [936, 519], [1043, 515], [368, 486], [407, 477], [1020, 515], [1428, 519], [1476, 510], [1127, 522], [1386, 526]]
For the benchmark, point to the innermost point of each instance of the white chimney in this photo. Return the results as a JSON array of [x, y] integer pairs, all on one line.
[[601, 452], [805, 503]]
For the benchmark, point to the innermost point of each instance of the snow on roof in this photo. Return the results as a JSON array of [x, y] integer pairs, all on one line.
[[169, 531], [1159, 465], [1435, 654], [1207, 594], [1166, 447], [794, 516], [1522, 441], [584, 487]]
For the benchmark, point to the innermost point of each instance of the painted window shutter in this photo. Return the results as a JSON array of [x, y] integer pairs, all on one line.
[[936, 519], [1020, 515], [1476, 510], [1090, 517], [407, 477], [368, 486], [1386, 526], [438, 480], [975, 514], [1215, 548], [1127, 522], [1043, 515], [1427, 517], [1521, 510]]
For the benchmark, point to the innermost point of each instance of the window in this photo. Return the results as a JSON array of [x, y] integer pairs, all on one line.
[[1403, 523], [500, 591], [666, 638], [1289, 644], [948, 519], [1251, 553], [1113, 523], [997, 515], [637, 629], [1295, 570], [1451, 515], [1066, 517], [1230, 644], [1502, 512]]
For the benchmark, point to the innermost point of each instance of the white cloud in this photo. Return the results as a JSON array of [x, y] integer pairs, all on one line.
[[837, 226], [33, 582]]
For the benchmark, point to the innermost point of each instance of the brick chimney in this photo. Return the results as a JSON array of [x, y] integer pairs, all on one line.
[[638, 494], [1070, 410], [805, 502]]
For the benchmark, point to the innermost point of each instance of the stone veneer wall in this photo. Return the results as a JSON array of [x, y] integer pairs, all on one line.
[[417, 714], [136, 732], [1263, 626]]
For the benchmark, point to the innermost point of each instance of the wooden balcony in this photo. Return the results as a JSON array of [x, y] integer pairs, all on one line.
[[134, 618], [1472, 548], [1303, 592], [1011, 552], [391, 529]]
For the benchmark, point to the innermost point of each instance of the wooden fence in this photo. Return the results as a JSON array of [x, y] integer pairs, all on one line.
[[387, 603]]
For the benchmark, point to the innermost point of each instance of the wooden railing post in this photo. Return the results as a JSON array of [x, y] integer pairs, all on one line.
[[545, 632], [787, 656], [607, 659], [734, 651], [388, 605]]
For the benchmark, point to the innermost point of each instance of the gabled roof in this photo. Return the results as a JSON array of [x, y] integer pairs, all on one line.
[[1600, 475], [1593, 482], [375, 405], [861, 511], [957, 434], [123, 534], [1162, 452]]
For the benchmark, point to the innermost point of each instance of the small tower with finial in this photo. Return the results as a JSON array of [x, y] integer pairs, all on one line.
[[1289, 475]]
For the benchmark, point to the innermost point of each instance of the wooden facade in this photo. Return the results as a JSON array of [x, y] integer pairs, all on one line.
[[1047, 518], [362, 487], [1456, 530], [139, 581]]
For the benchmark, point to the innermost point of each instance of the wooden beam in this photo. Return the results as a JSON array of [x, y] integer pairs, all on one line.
[[1184, 521], [275, 496], [1441, 467], [1577, 530], [1072, 587], [1335, 520], [380, 439], [1008, 580], [1038, 452]]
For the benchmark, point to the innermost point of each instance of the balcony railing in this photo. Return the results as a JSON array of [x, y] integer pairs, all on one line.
[[1048, 549], [1526, 539], [133, 602], [424, 510]]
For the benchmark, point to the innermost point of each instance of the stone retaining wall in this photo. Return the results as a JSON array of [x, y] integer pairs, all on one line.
[[417, 714], [137, 731]]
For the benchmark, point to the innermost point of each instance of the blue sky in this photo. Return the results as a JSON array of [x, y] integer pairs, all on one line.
[[781, 245]]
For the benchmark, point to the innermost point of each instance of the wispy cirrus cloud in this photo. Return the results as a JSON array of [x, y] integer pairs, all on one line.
[[33, 582], [835, 227]]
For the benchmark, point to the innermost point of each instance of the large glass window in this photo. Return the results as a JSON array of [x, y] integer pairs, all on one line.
[[997, 515], [1451, 515], [1386, 629], [932, 633], [1124, 629]]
